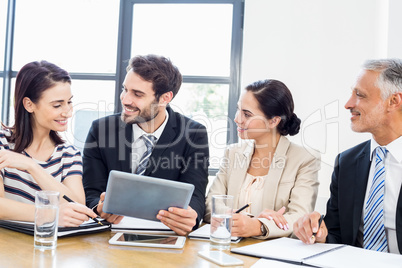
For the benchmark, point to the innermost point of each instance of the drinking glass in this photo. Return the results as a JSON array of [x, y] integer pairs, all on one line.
[[221, 221], [46, 219]]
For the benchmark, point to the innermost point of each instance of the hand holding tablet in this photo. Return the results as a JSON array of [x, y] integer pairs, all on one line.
[[143, 197]]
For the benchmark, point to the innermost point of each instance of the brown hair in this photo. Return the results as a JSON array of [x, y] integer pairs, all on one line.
[[160, 71], [32, 80], [275, 99]]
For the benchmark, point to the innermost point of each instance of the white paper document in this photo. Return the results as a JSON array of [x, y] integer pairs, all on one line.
[[287, 249], [204, 232], [131, 224], [266, 263], [320, 255], [351, 257]]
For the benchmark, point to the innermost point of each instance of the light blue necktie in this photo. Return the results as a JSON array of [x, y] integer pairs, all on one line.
[[149, 143], [374, 237]]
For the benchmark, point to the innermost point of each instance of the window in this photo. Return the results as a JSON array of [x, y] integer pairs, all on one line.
[[198, 46], [94, 39], [79, 36], [1, 90], [203, 39], [3, 30], [208, 105], [92, 99], [3, 23]]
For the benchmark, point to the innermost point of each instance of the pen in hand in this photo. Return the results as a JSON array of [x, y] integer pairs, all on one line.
[[319, 225], [243, 207], [71, 201]]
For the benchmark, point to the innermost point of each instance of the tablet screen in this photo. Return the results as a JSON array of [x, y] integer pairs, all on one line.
[[155, 239]]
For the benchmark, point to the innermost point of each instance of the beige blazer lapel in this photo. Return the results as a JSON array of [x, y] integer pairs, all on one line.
[[275, 173], [240, 162]]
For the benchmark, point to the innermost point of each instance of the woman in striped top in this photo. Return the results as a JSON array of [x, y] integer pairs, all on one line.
[[33, 156]]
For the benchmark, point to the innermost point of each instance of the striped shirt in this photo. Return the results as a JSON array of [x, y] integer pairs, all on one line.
[[20, 186]]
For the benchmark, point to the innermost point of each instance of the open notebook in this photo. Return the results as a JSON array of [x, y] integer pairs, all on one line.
[[204, 232], [319, 255], [85, 228], [130, 224]]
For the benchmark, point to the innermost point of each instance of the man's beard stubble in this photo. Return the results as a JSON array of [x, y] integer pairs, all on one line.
[[143, 116]]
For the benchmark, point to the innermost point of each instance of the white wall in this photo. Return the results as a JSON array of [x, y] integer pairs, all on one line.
[[395, 25], [316, 48]]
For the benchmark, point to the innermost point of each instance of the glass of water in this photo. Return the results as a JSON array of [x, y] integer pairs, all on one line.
[[46, 219], [221, 221]]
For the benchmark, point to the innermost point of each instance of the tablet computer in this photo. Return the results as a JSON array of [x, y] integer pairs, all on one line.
[[146, 240], [142, 197]]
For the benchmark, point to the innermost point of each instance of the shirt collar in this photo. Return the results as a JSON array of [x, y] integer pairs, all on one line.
[[394, 148], [138, 132]]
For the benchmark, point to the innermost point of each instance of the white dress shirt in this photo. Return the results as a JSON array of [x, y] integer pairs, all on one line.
[[138, 147], [393, 182]]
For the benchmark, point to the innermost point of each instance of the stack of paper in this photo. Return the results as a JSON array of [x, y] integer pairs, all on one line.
[[130, 224], [204, 232]]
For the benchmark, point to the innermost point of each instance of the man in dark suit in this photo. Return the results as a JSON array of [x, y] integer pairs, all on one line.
[[365, 205], [178, 146]]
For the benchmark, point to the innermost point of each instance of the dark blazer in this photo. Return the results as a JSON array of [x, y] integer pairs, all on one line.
[[181, 154], [348, 189]]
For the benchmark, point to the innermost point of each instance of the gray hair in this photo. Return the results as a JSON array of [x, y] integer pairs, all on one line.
[[390, 78]]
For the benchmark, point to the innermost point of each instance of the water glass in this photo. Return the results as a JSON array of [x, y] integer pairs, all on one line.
[[46, 219], [221, 221]]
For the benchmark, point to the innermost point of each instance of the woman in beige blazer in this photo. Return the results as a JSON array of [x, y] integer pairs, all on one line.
[[265, 168]]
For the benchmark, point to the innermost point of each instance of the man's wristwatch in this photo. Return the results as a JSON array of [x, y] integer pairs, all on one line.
[[263, 230]]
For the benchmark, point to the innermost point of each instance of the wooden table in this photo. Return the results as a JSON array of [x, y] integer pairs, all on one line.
[[17, 250]]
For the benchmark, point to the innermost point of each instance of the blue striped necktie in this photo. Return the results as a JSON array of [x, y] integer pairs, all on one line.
[[149, 143], [374, 237]]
